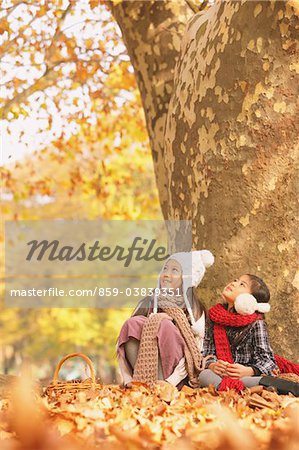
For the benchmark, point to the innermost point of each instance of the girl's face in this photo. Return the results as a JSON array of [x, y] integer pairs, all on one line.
[[241, 285], [171, 276]]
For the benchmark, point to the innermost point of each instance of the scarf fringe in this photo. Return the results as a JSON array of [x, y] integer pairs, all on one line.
[[231, 383], [286, 366]]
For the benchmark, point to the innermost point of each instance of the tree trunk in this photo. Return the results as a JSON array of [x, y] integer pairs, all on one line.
[[231, 142], [230, 147], [152, 32]]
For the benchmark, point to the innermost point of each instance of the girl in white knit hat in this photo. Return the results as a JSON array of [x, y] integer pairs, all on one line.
[[163, 338]]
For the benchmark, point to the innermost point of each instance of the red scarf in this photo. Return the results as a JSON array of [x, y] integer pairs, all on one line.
[[222, 318]]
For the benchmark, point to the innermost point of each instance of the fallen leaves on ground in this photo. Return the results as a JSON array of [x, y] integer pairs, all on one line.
[[116, 418]]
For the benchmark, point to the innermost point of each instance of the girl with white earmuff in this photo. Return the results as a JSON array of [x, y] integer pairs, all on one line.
[[237, 337]]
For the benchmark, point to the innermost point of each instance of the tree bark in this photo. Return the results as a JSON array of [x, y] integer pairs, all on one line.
[[152, 32], [231, 147]]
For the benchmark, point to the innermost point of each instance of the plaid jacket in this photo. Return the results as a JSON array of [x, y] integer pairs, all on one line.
[[249, 346]]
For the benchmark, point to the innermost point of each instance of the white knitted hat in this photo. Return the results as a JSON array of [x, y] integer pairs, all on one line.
[[193, 266]]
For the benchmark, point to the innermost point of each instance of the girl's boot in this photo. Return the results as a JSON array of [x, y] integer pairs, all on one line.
[[283, 387]]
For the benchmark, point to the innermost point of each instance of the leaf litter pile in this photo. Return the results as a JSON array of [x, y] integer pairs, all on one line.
[[116, 418]]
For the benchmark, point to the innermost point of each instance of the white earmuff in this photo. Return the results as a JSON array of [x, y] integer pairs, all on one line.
[[246, 304]]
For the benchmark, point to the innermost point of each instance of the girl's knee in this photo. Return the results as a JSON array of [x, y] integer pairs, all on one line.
[[133, 324], [204, 376], [167, 324], [132, 343], [207, 377], [169, 335], [205, 373], [135, 319], [167, 327], [250, 381]]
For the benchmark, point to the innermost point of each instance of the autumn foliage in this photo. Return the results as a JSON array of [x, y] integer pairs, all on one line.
[[115, 418], [69, 96], [70, 87]]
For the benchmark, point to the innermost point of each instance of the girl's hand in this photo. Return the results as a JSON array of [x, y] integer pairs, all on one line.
[[219, 367], [179, 373], [239, 371]]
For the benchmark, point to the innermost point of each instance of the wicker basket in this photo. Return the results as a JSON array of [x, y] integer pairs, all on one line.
[[57, 387]]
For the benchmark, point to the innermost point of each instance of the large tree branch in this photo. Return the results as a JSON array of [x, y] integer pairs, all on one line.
[[51, 49], [11, 9], [48, 78], [10, 43], [152, 33]]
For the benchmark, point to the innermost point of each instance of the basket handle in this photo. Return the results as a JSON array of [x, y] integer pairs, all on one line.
[[72, 355]]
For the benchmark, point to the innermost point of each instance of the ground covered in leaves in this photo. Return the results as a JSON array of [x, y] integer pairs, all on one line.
[[113, 417]]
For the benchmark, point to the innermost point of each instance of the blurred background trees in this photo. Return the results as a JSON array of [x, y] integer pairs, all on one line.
[[76, 147]]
